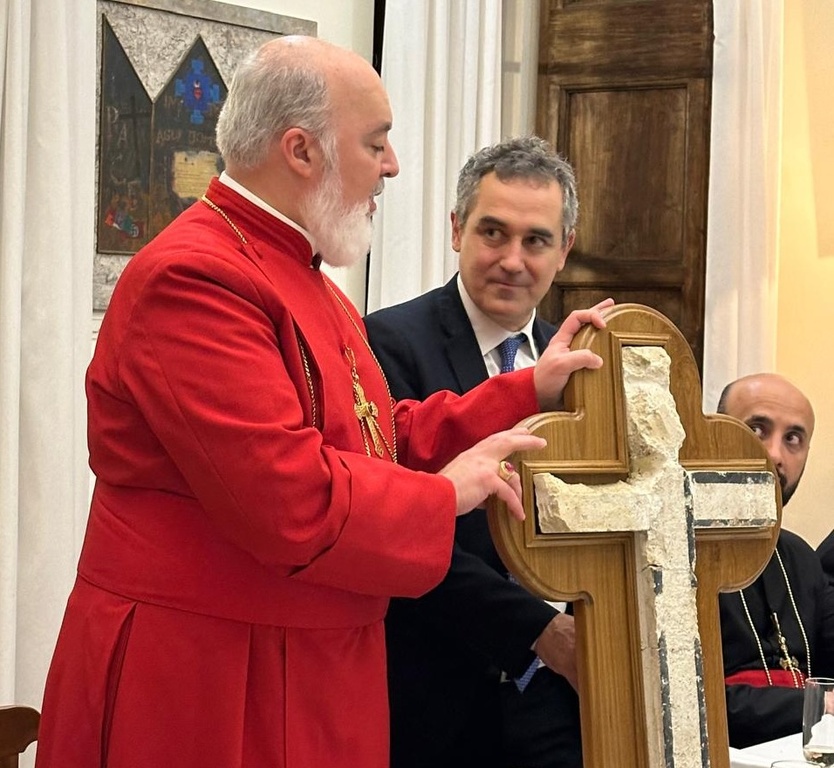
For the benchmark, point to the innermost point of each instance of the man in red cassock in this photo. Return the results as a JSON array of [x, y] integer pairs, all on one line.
[[258, 494]]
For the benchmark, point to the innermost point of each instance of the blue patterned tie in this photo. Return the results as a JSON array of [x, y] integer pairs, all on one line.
[[507, 349], [522, 682]]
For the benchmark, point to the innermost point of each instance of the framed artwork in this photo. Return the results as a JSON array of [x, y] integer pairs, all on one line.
[[163, 70]]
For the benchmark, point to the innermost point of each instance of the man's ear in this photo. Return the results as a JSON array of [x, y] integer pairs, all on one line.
[[456, 232], [302, 153], [566, 249]]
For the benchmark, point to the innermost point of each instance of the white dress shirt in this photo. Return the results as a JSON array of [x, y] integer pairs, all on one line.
[[489, 335]]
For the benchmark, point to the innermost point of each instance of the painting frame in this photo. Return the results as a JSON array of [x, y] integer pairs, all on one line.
[[143, 160]]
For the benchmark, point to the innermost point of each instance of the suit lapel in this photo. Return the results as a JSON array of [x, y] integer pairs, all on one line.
[[460, 345], [542, 334]]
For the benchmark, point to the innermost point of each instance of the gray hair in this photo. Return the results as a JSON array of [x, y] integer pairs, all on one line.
[[274, 89], [529, 158]]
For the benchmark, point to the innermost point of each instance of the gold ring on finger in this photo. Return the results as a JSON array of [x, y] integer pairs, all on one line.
[[505, 470]]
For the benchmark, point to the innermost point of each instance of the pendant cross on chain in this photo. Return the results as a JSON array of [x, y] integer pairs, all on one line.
[[787, 662], [366, 410]]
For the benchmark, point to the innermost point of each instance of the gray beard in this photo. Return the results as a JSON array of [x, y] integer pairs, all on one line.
[[342, 235]]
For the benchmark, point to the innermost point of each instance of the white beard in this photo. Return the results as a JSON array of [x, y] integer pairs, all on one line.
[[342, 235]]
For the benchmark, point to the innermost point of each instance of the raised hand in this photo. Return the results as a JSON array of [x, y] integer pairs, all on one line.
[[480, 471], [558, 361], [556, 647]]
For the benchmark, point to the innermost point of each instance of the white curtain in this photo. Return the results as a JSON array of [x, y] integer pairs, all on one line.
[[47, 156], [441, 65], [745, 168]]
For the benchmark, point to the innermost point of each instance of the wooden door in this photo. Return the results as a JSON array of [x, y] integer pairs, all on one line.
[[624, 94]]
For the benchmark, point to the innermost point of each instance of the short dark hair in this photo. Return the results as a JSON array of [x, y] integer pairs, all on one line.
[[725, 394]]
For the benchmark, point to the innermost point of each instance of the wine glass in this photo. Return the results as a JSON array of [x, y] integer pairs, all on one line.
[[818, 721], [792, 764]]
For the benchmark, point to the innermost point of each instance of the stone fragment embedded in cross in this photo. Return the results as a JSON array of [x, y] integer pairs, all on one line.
[[663, 504]]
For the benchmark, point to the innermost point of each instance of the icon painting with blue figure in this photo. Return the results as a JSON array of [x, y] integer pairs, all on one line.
[[197, 91]]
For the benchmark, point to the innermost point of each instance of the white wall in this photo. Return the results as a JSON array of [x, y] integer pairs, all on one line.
[[349, 23], [805, 345]]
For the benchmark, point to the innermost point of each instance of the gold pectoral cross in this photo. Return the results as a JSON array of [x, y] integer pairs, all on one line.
[[787, 662], [365, 410]]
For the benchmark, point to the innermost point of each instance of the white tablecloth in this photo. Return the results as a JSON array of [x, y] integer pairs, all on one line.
[[762, 755]]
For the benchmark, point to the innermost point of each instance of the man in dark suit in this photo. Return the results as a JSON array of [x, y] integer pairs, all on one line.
[[454, 655]]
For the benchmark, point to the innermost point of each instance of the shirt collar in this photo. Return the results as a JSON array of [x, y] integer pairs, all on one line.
[[255, 200], [487, 332]]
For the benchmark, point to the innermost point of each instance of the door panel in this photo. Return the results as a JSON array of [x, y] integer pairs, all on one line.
[[624, 94]]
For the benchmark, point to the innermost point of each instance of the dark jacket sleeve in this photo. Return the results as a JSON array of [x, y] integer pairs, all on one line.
[[825, 552], [823, 662], [475, 605], [755, 715], [483, 610]]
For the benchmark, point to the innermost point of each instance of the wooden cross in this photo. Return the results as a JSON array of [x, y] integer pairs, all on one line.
[[641, 671]]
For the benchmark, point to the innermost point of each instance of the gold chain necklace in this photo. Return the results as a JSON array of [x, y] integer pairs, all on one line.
[[366, 410], [218, 209], [787, 661]]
